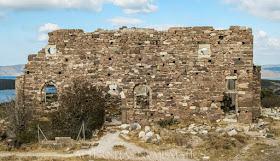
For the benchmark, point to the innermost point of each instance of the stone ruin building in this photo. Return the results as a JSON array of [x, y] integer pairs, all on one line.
[[182, 73]]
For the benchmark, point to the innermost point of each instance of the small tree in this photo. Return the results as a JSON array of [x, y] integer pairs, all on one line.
[[81, 102], [266, 93], [20, 123]]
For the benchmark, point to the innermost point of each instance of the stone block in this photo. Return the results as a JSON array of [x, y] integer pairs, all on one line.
[[63, 139], [245, 117], [192, 107]]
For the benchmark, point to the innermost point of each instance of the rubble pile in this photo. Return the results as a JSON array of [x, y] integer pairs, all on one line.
[[273, 113], [154, 134]]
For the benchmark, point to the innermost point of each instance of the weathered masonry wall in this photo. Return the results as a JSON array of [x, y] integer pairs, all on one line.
[[181, 73]]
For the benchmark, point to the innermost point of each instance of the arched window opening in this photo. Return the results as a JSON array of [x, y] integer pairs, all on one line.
[[142, 97], [51, 97]]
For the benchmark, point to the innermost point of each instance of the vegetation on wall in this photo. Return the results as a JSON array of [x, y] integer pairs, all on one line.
[[167, 122]]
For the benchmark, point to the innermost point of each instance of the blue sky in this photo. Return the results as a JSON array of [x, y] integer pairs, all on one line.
[[25, 23]]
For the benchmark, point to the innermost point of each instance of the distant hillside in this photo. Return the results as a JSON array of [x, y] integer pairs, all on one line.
[[273, 85], [14, 70], [271, 72]]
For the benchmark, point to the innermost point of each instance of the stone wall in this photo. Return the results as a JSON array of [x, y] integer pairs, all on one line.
[[184, 71]]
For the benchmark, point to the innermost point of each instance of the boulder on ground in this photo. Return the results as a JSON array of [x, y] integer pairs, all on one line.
[[124, 126], [252, 133], [132, 133], [125, 136], [232, 132], [158, 136], [141, 134], [149, 134], [204, 132], [229, 120], [147, 128], [154, 141], [124, 132], [146, 139], [135, 126]]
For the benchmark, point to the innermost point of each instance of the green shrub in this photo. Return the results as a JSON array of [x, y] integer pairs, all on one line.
[[81, 102], [168, 122], [269, 99], [266, 93]]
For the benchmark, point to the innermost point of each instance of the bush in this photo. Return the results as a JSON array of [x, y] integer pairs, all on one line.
[[81, 102], [269, 99], [266, 93], [2, 111], [168, 122]]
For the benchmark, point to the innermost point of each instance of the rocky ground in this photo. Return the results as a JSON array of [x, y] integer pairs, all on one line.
[[170, 140]]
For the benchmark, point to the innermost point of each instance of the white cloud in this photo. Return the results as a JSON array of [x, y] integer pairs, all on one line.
[[221, 28], [136, 6], [162, 27], [266, 45], [43, 31], [261, 34], [267, 9], [48, 27], [128, 6], [43, 37], [122, 21]]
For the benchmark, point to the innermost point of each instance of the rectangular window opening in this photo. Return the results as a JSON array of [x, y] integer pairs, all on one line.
[[231, 84]]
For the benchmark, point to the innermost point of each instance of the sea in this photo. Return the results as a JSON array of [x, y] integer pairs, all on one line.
[[8, 77], [8, 95]]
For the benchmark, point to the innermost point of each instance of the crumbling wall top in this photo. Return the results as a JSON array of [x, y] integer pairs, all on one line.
[[149, 30]]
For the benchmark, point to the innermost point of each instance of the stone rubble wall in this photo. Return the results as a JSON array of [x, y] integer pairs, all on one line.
[[186, 69]]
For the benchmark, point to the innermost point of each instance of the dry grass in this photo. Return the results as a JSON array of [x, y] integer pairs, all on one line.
[[35, 148], [221, 147], [3, 113], [119, 147], [149, 146], [275, 127], [261, 151]]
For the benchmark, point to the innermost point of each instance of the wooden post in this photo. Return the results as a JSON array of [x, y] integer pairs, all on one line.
[[38, 134], [84, 133]]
